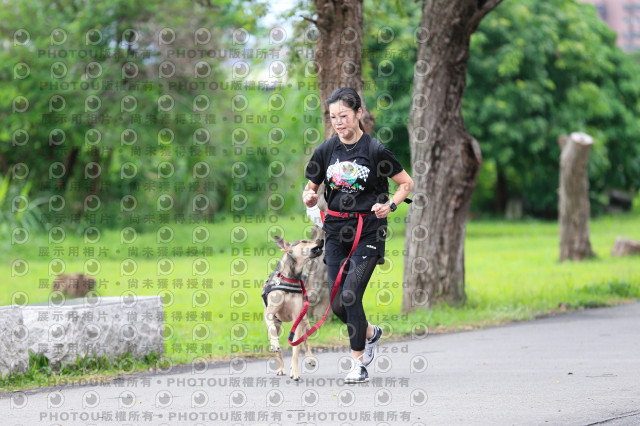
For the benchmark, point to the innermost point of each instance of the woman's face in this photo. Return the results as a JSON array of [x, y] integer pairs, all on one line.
[[344, 120]]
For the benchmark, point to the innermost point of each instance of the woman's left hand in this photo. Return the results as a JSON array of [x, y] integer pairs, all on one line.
[[381, 210]]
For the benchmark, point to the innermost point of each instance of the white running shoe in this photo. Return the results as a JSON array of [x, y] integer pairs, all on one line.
[[358, 373], [370, 346]]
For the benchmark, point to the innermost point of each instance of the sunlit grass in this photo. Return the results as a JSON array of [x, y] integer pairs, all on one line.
[[512, 273]]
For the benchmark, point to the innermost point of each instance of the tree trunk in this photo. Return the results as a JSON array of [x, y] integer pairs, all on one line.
[[69, 165], [573, 197], [3, 164], [338, 55], [95, 183], [502, 193], [445, 158]]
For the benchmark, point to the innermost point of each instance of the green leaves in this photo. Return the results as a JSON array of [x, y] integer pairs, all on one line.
[[512, 60], [111, 104], [540, 69]]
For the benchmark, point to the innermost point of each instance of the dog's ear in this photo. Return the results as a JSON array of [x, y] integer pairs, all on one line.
[[281, 243]]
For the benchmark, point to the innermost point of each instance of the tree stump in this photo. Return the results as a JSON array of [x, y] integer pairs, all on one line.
[[625, 247], [573, 197]]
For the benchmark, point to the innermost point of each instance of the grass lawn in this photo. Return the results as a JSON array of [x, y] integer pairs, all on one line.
[[512, 273]]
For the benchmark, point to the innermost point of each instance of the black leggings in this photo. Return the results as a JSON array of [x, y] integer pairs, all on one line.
[[347, 304]]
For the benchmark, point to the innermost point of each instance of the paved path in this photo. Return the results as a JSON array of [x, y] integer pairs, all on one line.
[[581, 368]]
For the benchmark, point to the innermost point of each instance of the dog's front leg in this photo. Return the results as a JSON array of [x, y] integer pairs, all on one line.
[[294, 358], [273, 330], [311, 360]]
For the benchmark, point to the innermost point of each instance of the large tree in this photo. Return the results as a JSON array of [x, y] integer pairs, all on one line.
[[445, 158]]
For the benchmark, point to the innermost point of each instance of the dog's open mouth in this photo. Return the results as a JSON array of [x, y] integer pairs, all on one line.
[[317, 250]]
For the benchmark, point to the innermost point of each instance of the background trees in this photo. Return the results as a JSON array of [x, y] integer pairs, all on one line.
[[106, 100], [538, 70], [535, 71]]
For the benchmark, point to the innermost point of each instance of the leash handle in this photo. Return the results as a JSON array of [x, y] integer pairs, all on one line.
[[334, 291]]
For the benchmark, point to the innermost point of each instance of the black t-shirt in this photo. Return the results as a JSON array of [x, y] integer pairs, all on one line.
[[352, 181], [349, 173]]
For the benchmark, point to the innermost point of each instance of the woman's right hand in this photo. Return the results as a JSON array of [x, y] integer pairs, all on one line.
[[309, 197]]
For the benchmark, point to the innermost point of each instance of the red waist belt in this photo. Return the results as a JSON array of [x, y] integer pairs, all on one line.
[[336, 285], [347, 214]]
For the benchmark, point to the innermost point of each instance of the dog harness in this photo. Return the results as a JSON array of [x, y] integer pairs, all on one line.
[[336, 285], [275, 282]]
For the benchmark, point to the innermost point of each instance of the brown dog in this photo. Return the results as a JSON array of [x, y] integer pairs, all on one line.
[[282, 297], [74, 285]]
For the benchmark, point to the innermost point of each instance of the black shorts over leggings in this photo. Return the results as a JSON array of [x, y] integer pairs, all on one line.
[[347, 304]]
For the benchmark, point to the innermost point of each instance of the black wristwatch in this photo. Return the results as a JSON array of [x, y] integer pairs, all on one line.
[[392, 205]]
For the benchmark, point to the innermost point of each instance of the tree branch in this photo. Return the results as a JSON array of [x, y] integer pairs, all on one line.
[[309, 19], [488, 5], [484, 7], [207, 4]]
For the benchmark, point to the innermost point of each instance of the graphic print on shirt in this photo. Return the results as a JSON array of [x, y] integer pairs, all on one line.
[[343, 176]]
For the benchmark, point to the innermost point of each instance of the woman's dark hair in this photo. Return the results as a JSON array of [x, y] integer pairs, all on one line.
[[350, 98]]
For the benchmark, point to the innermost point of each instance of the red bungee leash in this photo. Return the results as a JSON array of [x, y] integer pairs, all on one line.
[[336, 285]]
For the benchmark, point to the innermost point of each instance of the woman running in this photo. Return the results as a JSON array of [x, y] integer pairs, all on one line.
[[356, 220]]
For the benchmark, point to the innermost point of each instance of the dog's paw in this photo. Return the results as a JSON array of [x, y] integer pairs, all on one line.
[[274, 348], [294, 373], [311, 361], [280, 372]]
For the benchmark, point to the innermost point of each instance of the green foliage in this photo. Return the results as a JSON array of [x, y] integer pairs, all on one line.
[[17, 211], [614, 288], [41, 373], [279, 128], [86, 83], [601, 294], [536, 70], [636, 203], [541, 69]]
